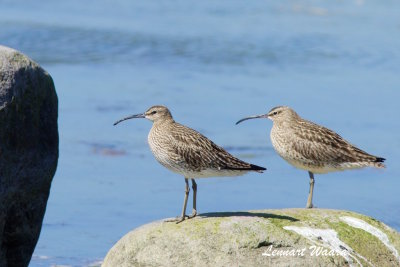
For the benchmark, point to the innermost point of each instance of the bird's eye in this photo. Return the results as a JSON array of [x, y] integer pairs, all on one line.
[[275, 113], [153, 112]]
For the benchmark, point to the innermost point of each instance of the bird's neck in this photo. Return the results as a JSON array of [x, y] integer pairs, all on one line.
[[164, 122], [279, 124], [282, 124]]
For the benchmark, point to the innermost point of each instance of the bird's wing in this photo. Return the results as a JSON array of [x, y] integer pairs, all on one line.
[[324, 145], [199, 152]]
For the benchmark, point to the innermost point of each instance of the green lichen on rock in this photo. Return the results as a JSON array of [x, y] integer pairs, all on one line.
[[20, 59], [241, 239]]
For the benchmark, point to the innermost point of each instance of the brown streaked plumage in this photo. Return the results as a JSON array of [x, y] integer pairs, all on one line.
[[312, 147], [189, 153]]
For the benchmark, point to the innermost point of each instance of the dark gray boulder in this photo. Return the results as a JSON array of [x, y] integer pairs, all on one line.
[[28, 153]]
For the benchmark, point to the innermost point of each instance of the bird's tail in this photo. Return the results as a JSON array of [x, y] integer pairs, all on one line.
[[378, 163], [257, 168], [249, 167]]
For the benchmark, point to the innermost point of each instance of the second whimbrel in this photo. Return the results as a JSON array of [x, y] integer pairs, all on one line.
[[189, 153], [312, 147]]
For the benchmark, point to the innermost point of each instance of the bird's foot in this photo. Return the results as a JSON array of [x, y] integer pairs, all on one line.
[[182, 218], [194, 214], [310, 206], [178, 219]]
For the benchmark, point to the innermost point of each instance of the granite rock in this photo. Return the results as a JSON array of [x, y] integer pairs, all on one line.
[[289, 237]]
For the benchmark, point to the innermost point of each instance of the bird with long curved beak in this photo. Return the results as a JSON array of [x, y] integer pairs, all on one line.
[[189, 153], [312, 147], [136, 116]]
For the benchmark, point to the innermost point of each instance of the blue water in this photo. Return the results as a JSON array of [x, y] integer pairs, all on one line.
[[335, 62]]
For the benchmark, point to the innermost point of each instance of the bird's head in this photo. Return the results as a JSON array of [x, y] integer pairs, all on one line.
[[277, 114], [155, 114]]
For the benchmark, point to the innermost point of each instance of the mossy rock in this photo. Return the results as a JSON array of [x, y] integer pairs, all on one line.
[[289, 237]]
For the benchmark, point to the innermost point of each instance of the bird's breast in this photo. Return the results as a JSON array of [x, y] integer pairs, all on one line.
[[281, 141], [160, 146]]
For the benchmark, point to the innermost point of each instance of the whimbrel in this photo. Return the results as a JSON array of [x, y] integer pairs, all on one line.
[[189, 153], [312, 147]]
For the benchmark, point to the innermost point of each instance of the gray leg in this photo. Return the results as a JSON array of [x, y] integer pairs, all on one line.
[[194, 187], [310, 194], [183, 215]]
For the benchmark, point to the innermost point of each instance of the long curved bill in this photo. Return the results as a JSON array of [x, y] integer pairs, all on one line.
[[253, 117], [142, 115]]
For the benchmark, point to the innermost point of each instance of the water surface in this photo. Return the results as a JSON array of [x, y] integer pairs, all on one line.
[[336, 63]]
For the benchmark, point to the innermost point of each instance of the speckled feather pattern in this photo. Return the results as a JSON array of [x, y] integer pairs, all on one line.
[[187, 152], [315, 148]]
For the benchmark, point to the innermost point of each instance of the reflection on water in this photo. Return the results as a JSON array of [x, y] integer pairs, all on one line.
[[334, 62]]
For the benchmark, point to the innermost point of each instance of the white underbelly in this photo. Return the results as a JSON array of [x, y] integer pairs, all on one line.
[[324, 168], [208, 173]]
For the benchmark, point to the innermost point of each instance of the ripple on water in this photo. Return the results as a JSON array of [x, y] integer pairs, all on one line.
[[51, 44]]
